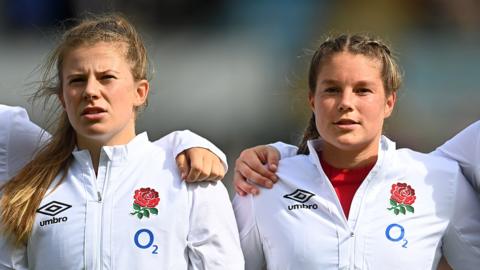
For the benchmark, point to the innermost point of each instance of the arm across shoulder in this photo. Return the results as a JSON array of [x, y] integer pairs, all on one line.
[[20, 138], [464, 148], [181, 140]]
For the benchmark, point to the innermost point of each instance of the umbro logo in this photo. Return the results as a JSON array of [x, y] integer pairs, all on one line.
[[301, 196], [52, 209]]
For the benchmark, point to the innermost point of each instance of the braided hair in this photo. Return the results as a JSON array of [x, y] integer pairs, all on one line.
[[355, 44]]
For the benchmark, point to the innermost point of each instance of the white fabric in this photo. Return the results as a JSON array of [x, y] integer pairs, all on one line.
[[194, 229], [465, 149], [277, 232], [285, 150], [19, 139], [179, 141]]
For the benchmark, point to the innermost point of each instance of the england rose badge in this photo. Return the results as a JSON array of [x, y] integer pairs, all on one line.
[[145, 202], [401, 199]]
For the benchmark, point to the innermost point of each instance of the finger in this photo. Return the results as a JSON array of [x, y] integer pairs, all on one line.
[[206, 169], [182, 164], [239, 191], [219, 171], [262, 170], [196, 164], [253, 176], [240, 183], [255, 154], [256, 160], [273, 157]]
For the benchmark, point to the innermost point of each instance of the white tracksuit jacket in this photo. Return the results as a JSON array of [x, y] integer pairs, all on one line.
[[300, 224], [96, 222], [465, 149], [20, 139]]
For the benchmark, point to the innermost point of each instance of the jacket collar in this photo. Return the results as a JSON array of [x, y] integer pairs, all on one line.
[[117, 153], [386, 146]]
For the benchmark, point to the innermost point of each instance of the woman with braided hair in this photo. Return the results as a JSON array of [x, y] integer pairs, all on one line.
[[348, 199]]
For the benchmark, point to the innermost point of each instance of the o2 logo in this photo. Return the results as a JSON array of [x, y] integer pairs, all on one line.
[[144, 239], [395, 233]]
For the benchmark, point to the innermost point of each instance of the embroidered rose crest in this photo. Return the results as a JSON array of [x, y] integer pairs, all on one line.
[[145, 201], [402, 198]]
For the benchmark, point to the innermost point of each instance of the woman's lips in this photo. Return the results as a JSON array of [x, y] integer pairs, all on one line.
[[93, 113], [346, 123]]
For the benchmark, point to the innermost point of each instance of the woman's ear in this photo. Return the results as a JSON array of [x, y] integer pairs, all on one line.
[[61, 99], [311, 100], [141, 92], [390, 104]]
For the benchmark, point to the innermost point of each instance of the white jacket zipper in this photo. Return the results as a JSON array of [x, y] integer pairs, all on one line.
[[100, 200]]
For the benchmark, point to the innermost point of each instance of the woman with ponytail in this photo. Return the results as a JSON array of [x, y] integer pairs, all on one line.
[[99, 196], [348, 199]]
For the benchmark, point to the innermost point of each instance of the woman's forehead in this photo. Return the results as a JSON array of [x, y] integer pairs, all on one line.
[[100, 53], [352, 66]]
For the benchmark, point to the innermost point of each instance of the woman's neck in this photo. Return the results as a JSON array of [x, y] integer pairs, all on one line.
[[94, 149], [94, 145], [349, 159]]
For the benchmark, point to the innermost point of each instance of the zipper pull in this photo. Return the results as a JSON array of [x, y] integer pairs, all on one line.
[[99, 196]]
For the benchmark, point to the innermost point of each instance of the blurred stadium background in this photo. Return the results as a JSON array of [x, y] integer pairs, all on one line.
[[235, 71]]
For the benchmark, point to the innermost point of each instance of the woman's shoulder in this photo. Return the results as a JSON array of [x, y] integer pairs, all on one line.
[[11, 110], [207, 188], [19, 140], [297, 167], [431, 174], [297, 161], [9, 115], [428, 162], [209, 197], [295, 173]]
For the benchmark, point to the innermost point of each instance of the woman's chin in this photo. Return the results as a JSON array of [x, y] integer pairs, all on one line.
[[94, 133], [349, 143]]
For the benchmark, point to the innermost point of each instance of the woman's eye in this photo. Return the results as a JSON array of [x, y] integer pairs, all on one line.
[[76, 80], [363, 91], [332, 90], [108, 77]]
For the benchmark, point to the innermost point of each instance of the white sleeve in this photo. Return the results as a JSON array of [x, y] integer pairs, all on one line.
[[180, 141], [465, 149], [12, 257], [249, 235], [461, 242], [286, 150], [212, 241], [19, 140]]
